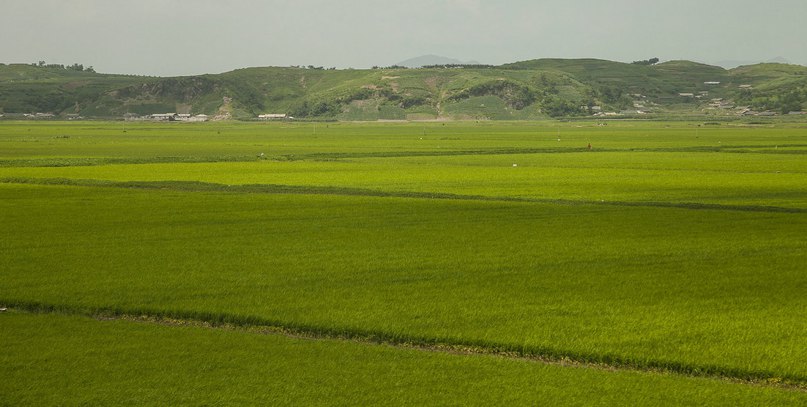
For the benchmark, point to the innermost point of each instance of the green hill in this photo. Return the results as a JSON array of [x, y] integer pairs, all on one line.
[[31, 89], [523, 90]]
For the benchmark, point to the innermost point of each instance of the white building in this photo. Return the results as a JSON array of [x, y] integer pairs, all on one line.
[[272, 116]]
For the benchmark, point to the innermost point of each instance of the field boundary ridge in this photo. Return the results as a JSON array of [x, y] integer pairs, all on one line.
[[540, 354], [198, 186], [786, 149]]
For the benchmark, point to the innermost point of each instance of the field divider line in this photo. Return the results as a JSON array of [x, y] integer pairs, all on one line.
[[538, 354], [198, 186], [97, 161]]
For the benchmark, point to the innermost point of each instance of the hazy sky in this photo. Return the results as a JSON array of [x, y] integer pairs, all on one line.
[[184, 37]]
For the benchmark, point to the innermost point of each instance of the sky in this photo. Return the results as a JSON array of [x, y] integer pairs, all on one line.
[[189, 37]]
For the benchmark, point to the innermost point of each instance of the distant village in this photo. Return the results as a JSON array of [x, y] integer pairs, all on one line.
[[641, 106], [184, 117], [168, 117], [156, 117]]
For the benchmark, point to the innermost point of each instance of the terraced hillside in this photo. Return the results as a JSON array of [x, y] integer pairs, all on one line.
[[523, 90]]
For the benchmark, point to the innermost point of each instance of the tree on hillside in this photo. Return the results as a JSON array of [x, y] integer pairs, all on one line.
[[790, 102], [557, 107]]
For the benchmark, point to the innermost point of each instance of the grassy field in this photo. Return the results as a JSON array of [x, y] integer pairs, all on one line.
[[64, 360], [664, 252]]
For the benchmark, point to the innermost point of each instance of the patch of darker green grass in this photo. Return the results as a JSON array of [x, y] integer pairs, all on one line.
[[479, 346], [199, 186], [54, 359], [89, 161]]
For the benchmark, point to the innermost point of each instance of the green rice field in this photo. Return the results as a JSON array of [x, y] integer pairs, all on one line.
[[617, 263]]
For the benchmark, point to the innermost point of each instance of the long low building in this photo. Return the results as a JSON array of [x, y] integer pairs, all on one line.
[[272, 116]]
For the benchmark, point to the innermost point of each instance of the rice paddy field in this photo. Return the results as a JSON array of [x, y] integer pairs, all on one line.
[[618, 263]]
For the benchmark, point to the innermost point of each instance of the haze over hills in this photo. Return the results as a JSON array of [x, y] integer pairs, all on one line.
[[531, 89], [729, 64], [430, 60]]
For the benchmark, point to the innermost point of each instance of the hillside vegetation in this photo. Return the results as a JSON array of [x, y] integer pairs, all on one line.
[[523, 90]]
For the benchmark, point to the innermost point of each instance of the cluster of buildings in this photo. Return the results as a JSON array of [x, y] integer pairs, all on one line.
[[184, 117], [168, 117], [39, 115]]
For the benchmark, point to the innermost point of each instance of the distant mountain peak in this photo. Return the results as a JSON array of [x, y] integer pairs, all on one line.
[[779, 60]]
